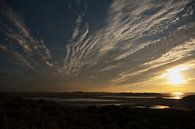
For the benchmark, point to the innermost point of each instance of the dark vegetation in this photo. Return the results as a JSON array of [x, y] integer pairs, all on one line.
[[19, 113], [189, 101], [189, 98]]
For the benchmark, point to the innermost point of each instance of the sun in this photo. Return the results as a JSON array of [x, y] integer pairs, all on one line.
[[174, 76]]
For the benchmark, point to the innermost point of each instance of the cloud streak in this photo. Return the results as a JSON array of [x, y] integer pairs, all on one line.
[[20, 44], [138, 38]]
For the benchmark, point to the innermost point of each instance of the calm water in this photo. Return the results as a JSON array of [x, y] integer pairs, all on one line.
[[174, 95], [136, 101], [72, 100], [113, 98], [159, 107]]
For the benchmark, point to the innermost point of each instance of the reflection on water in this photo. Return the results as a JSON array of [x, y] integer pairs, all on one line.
[[142, 107], [175, 95], [72, 99], [159, 107], [130, 96], [143, 101], [88, 100]]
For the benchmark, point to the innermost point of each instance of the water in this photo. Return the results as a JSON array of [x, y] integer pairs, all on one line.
[[72, 99], [152, 101], [159, 107], [131, 96], [113, 98], [174, 95]]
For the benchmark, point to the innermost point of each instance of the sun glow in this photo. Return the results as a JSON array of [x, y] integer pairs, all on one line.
[[174, 75]]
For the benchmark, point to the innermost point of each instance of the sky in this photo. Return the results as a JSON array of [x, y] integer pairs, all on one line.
[[97, 45]]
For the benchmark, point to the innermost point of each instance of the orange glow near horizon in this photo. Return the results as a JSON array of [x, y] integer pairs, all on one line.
[[174, 76]]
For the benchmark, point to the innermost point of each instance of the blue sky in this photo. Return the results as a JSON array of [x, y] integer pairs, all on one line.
[[96, 45]]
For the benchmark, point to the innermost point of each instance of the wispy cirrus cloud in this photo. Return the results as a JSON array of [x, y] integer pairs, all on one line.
[[139, 39], [20, 43], [132, 30]]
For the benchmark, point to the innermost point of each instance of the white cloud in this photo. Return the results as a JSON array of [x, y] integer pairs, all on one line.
[[138, 37]]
